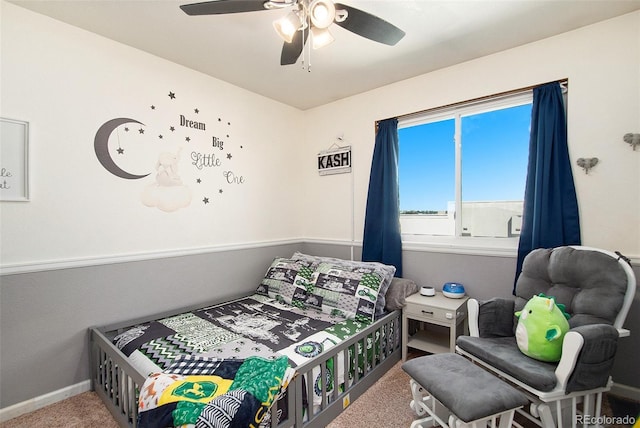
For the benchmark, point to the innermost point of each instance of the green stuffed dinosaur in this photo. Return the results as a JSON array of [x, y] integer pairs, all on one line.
[[542, 325]]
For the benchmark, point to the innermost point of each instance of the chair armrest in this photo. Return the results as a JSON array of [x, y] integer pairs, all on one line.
[[588, 353], [491, 318]]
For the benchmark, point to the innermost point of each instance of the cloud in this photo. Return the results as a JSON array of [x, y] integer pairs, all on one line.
[[166, 198]]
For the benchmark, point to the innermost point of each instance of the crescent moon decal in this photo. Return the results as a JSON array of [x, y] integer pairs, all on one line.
[[101, 145]]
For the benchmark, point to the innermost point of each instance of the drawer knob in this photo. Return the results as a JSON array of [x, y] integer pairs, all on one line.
[[427, 312]]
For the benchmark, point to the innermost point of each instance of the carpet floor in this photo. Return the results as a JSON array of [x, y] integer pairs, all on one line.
[[384, 405]]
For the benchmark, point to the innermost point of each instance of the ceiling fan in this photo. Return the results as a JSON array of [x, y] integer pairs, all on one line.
[[307, 17]]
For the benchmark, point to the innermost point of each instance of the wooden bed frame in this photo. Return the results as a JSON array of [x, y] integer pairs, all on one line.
[[117, 382]]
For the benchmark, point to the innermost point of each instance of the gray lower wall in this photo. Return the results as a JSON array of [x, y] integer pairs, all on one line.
[[45, 316]]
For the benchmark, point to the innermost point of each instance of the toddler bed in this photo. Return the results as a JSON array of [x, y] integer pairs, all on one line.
[[313, 337]]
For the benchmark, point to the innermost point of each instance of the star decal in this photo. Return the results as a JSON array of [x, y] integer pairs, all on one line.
[[172, 95], [126, 129], [205, 200], [219, 190], [171, 128], [196, 110], [160, 136], [120, 150], [198, 181], [229, 156], [141, 131], [187, 139], [153, 107]]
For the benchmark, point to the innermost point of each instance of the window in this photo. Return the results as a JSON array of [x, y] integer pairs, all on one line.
[[462, 170]]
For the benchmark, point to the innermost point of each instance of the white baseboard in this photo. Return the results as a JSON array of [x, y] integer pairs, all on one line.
[[626, 391], [43, 401]]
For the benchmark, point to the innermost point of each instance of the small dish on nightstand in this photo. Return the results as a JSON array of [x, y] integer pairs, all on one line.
[[428, 291]]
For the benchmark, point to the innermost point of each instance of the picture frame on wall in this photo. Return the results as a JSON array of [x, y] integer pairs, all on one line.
[[14, 160]]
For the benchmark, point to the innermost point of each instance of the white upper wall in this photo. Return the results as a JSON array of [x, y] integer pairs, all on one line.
[[67, 82], [602, 63]]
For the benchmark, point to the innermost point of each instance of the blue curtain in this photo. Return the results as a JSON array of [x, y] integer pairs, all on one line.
[[550, 217], [381, 240]]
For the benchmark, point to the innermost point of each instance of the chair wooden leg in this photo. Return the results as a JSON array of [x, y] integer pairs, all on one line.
[[546, 416], [423, 404], [506, 420]]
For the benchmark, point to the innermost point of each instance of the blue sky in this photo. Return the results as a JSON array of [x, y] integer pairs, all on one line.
[[495, 149]]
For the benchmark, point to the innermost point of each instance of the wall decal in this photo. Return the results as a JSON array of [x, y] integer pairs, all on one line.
[[172, 134], [232, 178], [205, 160], [101, 146], [168, 193]]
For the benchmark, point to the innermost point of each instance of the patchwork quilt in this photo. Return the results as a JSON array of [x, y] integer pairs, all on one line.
[[210, 393], [201, 364]]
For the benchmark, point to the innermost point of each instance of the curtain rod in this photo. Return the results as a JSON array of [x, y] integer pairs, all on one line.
[[564, 84]]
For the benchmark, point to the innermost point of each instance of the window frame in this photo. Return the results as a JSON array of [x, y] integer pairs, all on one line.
[[499, 246]]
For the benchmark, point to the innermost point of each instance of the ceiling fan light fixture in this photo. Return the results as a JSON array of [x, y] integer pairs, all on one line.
[[341, 15], [320, 37], [278, 4], [287, 26], [322, 13]]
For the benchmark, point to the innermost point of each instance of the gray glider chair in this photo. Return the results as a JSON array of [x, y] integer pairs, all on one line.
[[597, 288]]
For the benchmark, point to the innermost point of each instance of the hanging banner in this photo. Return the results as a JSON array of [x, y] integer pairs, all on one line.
[[335, 161]]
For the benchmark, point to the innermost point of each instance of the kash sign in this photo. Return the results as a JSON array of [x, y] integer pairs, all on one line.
[[336, 161]]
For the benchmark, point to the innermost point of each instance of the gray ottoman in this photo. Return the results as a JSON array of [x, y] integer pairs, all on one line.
[[470, 395]]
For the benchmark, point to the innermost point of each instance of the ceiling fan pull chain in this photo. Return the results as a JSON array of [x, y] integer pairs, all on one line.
[[303, 41], [310, 43], [309, 50]]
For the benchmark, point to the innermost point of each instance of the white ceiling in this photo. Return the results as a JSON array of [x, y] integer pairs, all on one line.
[[244, 50]]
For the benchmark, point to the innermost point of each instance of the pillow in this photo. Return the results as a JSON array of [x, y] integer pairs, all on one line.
[[285, 278], [398, 291], [542, 325], [342, 290], [385, 271]]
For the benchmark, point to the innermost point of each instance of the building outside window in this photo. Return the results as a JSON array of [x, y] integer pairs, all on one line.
[[462, 171]]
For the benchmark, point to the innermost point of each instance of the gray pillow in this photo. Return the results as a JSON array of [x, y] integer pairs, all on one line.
[[398, 291], [386, 272]]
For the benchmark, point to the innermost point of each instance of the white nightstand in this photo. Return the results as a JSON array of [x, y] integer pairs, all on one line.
[[432, 324]]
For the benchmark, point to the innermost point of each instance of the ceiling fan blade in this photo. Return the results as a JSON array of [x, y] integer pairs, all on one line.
[[291, 51], [219, 7], [369, 26]]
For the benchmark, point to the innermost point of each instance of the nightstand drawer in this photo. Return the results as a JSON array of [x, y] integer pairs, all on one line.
[[417, 311]]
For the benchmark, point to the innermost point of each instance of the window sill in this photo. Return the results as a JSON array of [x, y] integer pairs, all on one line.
[[495, 247]]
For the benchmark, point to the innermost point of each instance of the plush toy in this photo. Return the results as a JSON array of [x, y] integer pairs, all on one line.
[[542, 325]]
